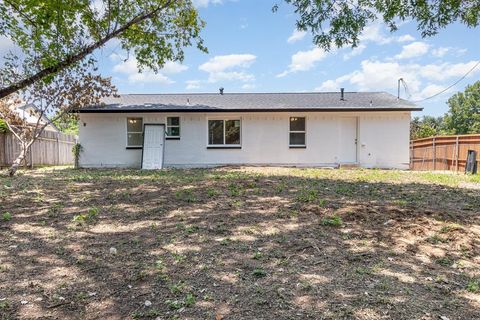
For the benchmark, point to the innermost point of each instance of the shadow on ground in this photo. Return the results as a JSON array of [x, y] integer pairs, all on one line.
[[237, 244]]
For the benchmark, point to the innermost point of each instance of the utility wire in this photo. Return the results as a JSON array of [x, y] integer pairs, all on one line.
[[452, 85]]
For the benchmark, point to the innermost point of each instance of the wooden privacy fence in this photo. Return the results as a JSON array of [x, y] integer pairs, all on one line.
[[443, 152], [51, 148]]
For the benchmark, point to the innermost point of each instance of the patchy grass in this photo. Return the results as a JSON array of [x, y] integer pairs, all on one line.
[[239, 243]]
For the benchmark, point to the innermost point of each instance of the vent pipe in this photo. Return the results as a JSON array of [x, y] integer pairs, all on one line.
[[221, 91], [342, 94]]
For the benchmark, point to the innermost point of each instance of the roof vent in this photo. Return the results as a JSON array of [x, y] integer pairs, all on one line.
[[221, 90], [342, 94]]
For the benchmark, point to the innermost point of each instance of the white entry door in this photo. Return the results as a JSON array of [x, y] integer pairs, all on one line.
[[348, 140], [153, 140]]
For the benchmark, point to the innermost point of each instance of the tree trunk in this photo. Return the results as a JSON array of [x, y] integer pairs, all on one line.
[[18, 161]]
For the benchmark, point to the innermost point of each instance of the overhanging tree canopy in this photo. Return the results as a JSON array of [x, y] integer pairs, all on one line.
[[340, 22], [61, 33]]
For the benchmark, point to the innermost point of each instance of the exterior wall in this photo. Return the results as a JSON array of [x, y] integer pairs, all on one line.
[[383, 140]]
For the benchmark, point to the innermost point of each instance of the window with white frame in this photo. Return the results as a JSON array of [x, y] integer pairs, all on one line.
[[134, 132], [173, 128], [297, 132], [224, 133]]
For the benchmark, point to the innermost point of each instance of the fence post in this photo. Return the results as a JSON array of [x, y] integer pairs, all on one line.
[[434, 153], [457, 154]]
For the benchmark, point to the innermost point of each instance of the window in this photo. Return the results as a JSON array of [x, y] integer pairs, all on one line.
[[173, 127], [134, 132], [297, 132], [224, 133]]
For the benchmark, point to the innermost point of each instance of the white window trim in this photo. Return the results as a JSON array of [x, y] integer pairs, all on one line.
[[126, 136], [224, 145], [296, 131], [173, 126]]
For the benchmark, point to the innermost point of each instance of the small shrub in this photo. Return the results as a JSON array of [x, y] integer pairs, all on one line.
[[6, 216], [333, 221]]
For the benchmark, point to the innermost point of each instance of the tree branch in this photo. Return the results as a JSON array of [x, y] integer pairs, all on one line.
[[74, 58]]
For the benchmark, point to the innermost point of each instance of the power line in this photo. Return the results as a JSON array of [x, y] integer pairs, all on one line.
[[452, 85]]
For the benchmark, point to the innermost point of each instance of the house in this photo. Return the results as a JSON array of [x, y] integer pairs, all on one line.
[[367, 129], [31, 115]]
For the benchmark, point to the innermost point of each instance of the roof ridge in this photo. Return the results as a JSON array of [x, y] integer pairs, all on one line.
[[245, 93]]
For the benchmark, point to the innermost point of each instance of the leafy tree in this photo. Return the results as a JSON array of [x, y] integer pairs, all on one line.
[[424, 127], [67, 124], [340, 22], [61, 33], [463, 116], [56, 71], [68, 90]]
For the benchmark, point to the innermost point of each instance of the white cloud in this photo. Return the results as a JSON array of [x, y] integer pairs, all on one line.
[[130, 69], [297, 35], [422, 80], [248, 86], [193, 84], [405, 38], [354, 52], [205, 3], [442, 51], [304, 61], [229, 67], [413, 50], [377, 33], [444, 71]]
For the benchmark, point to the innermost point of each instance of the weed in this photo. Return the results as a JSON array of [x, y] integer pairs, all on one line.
[[257, 255], [473, 286], [333, 221], [445, 261], [259, 272], [435, 239], [6, 216], [174, 304], [306, 196], [4, 305], [212, 192], [189, 300], [86, 217], [177, 288], [234, 190], [225, 241], [185, 195], [179, 258], [450, 227], [191, 229], [159, 265]]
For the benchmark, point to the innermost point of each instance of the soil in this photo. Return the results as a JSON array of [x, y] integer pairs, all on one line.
[[239, 243]]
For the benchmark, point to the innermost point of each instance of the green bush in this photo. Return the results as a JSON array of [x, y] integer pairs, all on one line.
[[3, 126]]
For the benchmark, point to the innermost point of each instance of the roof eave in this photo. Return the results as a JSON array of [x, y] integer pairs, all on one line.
[[247, 110]]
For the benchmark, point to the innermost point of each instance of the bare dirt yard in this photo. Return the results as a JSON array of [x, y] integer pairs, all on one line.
[[239, 243]]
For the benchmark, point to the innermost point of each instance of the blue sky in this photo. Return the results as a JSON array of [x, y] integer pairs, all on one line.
[[252, 49]]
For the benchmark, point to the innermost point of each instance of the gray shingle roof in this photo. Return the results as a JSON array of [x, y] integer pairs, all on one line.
[[228, 102]]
